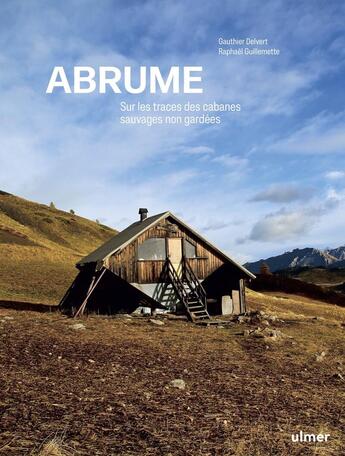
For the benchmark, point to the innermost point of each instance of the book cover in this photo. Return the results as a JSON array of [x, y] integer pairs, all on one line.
[[172, 259]]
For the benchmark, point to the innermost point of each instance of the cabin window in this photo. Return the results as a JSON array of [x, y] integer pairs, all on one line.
[[189, 249], [152, 249]]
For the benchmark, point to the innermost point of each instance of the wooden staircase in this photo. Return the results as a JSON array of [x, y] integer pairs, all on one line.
[[189, 291]]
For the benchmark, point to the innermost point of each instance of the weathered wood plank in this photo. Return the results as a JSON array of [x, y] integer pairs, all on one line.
[[126, 265]]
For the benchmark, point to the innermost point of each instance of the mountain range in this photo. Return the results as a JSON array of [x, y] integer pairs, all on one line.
[[302, 258]]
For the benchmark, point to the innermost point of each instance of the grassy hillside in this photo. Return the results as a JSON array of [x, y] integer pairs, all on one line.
[[39, 247], [321, 276], [283, 283], [106, 389]]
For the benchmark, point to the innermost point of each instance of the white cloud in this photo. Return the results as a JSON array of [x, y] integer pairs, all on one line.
[[283, 225], [283, 193], [198, 150], [323, 134], [232, 161], [335, 175], [180, 177], [335, 196], [295, 223], [215, 225]]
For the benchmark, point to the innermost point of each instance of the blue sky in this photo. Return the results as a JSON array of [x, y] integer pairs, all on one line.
[[268, 179]]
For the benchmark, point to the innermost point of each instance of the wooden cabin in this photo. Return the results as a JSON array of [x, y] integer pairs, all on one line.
[[158, 263]]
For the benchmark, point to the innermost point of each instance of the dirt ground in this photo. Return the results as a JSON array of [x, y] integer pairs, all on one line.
[[106, 389]]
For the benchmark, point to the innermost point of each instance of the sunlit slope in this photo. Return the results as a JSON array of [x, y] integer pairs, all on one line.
[[39, 247]]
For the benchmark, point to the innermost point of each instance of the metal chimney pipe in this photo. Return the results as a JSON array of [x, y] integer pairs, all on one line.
[[143, 213]]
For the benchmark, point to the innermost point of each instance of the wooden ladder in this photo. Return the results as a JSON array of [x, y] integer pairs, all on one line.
[[189, 291]]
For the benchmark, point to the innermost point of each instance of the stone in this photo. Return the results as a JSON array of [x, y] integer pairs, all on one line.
[[178, 383], [156, 322], [267, 334], [339, 376], [320, 357], [78, 326]]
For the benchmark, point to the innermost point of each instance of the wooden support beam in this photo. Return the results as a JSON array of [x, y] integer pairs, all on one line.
[[66, 294], [93, 285]]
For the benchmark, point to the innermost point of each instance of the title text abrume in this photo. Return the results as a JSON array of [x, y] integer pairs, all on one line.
[[185, 79]]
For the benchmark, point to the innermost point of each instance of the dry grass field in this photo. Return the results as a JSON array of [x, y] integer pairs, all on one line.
[[39, 247], [129, 386], [106, 389]]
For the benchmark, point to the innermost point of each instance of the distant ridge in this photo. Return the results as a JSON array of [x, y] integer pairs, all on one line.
[[302, 258]]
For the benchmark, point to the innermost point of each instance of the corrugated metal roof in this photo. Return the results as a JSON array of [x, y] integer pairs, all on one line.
[[130, 233]]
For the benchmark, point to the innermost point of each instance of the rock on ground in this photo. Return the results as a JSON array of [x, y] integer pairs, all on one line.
[[266, 333], [320, 357], [78, 326], [156, 322], [178, 383], [257, 317]]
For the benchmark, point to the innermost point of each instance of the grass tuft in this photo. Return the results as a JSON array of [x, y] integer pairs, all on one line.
[[53, 447]]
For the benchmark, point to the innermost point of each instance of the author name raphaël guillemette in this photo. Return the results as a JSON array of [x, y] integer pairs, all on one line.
[[240, 46]]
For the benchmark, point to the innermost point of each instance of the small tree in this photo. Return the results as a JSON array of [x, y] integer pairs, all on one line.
[[52, 205], [265, 269], [71, 211]]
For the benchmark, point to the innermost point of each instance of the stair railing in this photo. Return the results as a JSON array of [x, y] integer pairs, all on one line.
[[193, 282], [177, 283]]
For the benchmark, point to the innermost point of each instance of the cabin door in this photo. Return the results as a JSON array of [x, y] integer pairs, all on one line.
[[175, 253]]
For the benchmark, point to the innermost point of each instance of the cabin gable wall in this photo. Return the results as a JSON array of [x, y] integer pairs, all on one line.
[[129, 267]]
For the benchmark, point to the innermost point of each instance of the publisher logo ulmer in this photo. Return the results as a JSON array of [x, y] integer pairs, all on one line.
[[303, 437]]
